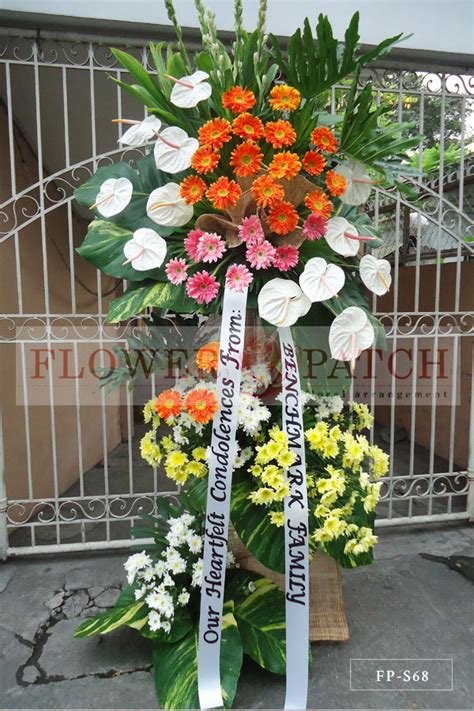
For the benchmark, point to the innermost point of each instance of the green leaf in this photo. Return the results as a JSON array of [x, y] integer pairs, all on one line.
[[175, 666], [137, 70], [194, 495], [132, 615], [103, 247], [158, 294], [260, 614], [252, 523], [144, 180]]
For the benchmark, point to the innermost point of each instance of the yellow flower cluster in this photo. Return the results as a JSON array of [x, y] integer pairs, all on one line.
[[179, 466], [149, 450], [324, 439], [272, 460], [362, 542], [365, 419], [379, 461]]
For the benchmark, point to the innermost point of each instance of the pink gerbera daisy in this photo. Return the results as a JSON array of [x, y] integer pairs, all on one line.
[[191, 243], [314, 227], [176, 271], [210, 248], [250, 229], [286, 257], [203, 287], [260, 254], [238, 277]]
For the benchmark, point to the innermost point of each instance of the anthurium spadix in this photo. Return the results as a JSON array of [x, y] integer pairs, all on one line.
[[321, 281], [146, 250], [281, 302], [375, 273], [343, 237], [166, 207], [188, 91], [350, 333], [113, 196], [358, 182], [140, 132], [174, 150]]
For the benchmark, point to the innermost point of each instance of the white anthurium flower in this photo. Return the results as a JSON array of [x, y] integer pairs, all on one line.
[[190, 90], [281, 302], [375, 273], [113, 196], [165, 206], [140, 132], [321, 281], [343, 237], [350, 333], [174, 150], [359, 184], [146, 250]]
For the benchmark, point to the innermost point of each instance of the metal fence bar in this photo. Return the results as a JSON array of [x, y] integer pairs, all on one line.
[[408, 495]]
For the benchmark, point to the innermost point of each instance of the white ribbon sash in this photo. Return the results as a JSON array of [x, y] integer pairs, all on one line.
[[223, 453], [296, 533]]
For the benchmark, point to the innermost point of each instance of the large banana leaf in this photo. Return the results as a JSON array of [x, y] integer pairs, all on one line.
[[175, 666]]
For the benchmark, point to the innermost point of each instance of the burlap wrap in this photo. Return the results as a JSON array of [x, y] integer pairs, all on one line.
[[327, 620]]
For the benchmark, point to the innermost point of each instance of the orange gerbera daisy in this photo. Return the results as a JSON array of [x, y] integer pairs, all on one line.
[[266, 191], [324, 139], [238, 99], [205, 160], [201, 404], [284, 98], [191, 189], [318, 202], [224, 193], [248, 126], [280, 133], [336, 183], [314, 163], [284, 165], [215, 133], [246, 159], [168, 404], [282, 218], [208, 356]]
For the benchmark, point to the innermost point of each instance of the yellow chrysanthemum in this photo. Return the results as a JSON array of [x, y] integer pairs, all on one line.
[[277, 518], [199, 453]]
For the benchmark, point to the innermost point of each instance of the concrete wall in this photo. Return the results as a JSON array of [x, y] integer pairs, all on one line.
[[39, 416]]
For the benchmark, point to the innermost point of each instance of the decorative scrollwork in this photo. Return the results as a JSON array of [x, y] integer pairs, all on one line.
[[424, 485]]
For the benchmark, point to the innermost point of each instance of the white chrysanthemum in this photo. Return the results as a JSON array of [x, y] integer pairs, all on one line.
[[160, 568], [154, 621], [140, 592], [197, 574], [148, 574], [230, 559], [177, 566], [183, 598], [194, 543], [187, 519], [154, 600]]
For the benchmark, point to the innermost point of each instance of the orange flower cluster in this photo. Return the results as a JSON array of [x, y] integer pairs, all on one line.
[[246, 158], [208, 356], [200, 404]]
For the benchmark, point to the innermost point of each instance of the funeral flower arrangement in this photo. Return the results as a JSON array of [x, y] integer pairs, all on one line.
[[249, 194]]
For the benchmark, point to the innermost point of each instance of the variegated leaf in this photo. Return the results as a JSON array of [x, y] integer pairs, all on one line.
[[257, 533], [176, 666], [137, 298], [260, 614], [134, 615]]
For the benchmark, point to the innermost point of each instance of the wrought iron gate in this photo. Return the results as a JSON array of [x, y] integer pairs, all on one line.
[[72, 479]]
